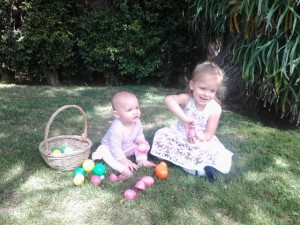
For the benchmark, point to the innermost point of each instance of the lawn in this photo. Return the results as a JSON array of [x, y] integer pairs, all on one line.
[[263, 186]]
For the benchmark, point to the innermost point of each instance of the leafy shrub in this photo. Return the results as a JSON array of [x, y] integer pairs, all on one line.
[[117, 41]]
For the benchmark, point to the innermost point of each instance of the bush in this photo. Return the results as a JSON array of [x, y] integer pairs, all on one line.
[[117, 41]]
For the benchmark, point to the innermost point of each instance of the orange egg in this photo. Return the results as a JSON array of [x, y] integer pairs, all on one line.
[[163, 164], [161, 170]]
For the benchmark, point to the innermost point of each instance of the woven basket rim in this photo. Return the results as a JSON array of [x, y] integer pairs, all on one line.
[[42, 145]]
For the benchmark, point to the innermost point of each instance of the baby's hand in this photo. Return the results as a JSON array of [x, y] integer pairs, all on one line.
[[129, 164]]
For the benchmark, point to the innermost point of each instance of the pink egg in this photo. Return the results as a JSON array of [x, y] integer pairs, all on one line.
[[96, 180], [113, 177], [191, 132], [140, 185], [148, 180], [130, 194], [143, 147]]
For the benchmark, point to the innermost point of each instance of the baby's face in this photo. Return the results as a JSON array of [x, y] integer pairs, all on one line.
[[129, 110]]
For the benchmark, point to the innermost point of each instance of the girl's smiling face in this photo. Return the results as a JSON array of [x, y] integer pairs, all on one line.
[[204, 87]]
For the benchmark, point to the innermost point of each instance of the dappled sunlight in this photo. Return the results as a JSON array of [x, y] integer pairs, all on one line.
[[150, 98], [281, 162], [260, 216], [253, 176], [3, 135], [105, 111], [36, 183], [15, 173]]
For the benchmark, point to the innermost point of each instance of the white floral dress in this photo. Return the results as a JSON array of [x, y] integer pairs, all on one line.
[[172, 144]]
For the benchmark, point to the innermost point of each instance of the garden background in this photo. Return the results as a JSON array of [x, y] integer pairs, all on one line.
[[85, 50]]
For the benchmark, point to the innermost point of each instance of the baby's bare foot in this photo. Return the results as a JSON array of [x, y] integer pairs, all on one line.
[[145, 163], [125, 175]]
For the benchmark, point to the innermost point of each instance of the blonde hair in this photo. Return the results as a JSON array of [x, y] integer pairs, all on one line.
[[211, 69]]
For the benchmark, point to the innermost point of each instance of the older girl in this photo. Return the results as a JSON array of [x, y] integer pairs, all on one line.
[[193, 145]]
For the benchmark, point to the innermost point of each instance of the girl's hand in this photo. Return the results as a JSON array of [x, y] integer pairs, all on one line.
[[192, 137], [189, 125], [129, 164]]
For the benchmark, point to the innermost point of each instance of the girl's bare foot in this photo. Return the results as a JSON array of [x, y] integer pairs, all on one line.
[[145, 163], [125, 175]]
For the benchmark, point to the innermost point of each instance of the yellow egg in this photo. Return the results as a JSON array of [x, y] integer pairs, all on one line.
[[56, 152], [88, 165], [78, 179]]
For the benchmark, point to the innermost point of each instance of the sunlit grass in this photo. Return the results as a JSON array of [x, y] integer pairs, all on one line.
[[263, 186]]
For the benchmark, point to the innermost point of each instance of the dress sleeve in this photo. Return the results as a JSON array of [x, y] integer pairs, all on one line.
[[115, 139]]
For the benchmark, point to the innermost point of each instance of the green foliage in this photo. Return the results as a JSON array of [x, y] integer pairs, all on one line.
[[129, 42], [118, 41], [47, 39], [10, 33], [264, 36]]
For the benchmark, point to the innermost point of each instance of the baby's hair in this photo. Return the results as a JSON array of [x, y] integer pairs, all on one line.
[[117, 94], [213, 69]]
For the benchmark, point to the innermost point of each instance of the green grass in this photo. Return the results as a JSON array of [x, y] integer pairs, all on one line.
[[263, 186]]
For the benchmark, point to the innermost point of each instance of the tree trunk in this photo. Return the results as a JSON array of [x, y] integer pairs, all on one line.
[[52, 78], [5, 76]]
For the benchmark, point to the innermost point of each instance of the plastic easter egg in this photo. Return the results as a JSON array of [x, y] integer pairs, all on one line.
[[79, 170], [163, 174], [62, 149], [130, 194], [68, 150], [148, 180], [161, 170], [88, 165], [78, 179], [163, 164], [140, 185], [143, 147], [96, 180], [102, 177], [99, 169], [56, 152], [113, 177], [191, 133]]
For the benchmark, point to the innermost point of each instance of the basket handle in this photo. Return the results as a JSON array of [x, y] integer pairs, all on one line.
[[84, 135]]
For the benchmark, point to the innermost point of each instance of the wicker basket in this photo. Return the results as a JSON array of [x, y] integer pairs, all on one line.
[[81, 145]]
